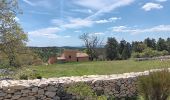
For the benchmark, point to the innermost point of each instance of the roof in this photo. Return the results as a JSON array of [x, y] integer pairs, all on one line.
[[81, 55]]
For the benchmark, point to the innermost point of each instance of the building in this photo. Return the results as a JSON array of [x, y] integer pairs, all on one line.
[[73, 56]]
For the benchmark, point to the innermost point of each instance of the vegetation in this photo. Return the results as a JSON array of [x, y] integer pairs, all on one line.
[[83, 91], [98, 67], [25, 74], [12, 37], [91, 43], [155, 86]]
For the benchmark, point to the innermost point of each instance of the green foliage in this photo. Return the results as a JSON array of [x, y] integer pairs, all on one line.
[[151, 43], [12, 37], [155, 86], [148, 52], [83, 92], [25, 74], [161, 45], [112, 49]]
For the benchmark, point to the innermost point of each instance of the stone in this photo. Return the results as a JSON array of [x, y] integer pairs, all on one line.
[[56, 98], [28, 98], [40, 92], [51, 88], [35, 89], [25, 91], [50, 94], [2, 94], [16, 97]]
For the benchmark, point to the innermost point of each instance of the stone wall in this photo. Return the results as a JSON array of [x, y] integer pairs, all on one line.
[[119, 85]]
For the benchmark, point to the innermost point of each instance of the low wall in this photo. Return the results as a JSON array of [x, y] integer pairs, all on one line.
[[119, 85]]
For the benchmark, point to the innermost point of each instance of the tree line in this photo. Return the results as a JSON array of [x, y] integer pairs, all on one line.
[[115, 50]]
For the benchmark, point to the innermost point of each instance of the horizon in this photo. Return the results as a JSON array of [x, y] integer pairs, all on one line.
[[50, 23]]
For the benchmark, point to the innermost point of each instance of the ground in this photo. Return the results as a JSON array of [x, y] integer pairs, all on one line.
[[98, 67]]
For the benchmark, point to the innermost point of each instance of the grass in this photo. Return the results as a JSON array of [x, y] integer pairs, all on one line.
[[98, 67]]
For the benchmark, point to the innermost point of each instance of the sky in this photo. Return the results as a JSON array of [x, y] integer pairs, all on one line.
[[61, 22]]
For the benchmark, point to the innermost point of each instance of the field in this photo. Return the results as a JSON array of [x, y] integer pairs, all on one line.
[[98, 68]]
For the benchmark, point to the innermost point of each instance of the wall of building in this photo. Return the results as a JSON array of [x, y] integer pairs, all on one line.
[[119, 85], [82, 59], [70, 55]]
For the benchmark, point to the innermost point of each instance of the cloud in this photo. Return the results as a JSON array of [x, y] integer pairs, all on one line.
[[88, 11], [41, 3], [109, 6], [161, 0], [29, 2], [113, 19], [39, 12], [99, 33], [149, 6], [77, 23], [156, 29], [45, 32]]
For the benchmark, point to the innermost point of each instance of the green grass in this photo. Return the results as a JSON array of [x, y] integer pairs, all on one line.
[[98, 67]]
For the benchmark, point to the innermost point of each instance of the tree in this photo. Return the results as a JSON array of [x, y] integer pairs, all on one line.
[[112, 49], [91, 43], [151, 43], [126, 51], [168, 44], [122, 45], [12, 37], [138, 46], [161, 45]]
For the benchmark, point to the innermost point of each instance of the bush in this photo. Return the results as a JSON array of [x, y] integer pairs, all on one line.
[[25, 74], [148, 52], [155, 86], [83, 92]]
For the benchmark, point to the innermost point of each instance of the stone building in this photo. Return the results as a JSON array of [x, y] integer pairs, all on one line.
[[70, 56], [73, 56]]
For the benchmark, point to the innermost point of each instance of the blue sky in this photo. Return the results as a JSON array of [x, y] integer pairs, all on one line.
[[61, 22]]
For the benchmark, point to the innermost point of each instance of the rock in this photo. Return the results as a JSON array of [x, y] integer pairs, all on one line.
[[35, 89], [16, 97], [25, 91], [56, 98], [50, 94], [28, 98], [51, 88], [2, 94], [40, 92]]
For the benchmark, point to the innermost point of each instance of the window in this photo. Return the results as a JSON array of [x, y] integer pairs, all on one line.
[[69, 57]]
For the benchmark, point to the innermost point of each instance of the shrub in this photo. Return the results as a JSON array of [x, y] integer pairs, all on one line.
[[25, 74], [83, 92], [148, 52], [155, 86]]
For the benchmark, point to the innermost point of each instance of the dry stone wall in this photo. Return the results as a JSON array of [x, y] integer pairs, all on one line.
[[119, 85]]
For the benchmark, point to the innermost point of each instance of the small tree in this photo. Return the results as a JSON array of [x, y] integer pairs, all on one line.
[[112, 49], [12, 37], [91, 43]]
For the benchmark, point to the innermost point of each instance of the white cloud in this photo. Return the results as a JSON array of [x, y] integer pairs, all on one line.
[[45, 32], [89, 11], [113, 19], [161, 0], [149, 6], [78, 23], [67, 36], [99, 33], [124, 29], [106, 6], [29, 2], [41, 3]]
